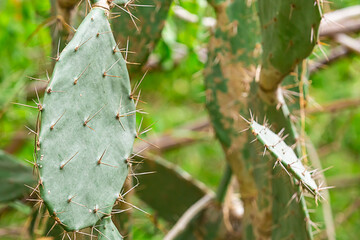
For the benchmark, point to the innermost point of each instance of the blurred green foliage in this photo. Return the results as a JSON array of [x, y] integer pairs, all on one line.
[[175, 95]]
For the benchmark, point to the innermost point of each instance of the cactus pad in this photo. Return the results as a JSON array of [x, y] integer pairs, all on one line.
[[284, 155], [87, 127], [289, 30], [107, 230]]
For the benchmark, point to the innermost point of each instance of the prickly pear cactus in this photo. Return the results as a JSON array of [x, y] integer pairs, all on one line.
[[107, 230], [284, 155], [289, 32], [273, 201], [87, 127], [142, 27]]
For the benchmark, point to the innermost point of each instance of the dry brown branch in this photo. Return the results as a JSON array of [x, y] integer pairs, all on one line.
[[335, 106], [348, 42]]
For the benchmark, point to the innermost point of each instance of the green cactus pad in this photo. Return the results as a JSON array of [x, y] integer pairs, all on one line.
[[289, 30], [108, 231], [13, 177], [86, 134], [284, 155], [145, 35]]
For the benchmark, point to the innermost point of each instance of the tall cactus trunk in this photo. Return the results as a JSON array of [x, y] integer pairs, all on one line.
[[232, 85]]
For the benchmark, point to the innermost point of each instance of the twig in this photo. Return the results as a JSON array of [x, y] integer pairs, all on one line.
[[335, 106], [349, 42], [185, 219]]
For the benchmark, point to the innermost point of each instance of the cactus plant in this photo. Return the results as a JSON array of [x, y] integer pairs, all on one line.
[[289, 32], [142, 28], [285, 156], [87, 126], [88, 122], [232, 90]]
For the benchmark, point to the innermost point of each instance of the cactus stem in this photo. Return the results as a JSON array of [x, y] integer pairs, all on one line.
[[77, 78], [52, 126], [64, 164]]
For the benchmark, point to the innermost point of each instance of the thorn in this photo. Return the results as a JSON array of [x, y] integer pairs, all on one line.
[[69, 26], [91, 117], [244, 130], [101, 233], [76, 79], [144, 173], [264, 150], [131, 15], [79, 204], [39, 105], [276, 162], [116, 46], [138, 84], [123, 201], [63, 165], [102, 155], [70, 199], [51, 228], [77, 48], [31, 131], [98, 34], [58, 52], [52, 126], [24, 105], [38, 79], [104, 74], [138, 99], [34, 189], [251, 116]]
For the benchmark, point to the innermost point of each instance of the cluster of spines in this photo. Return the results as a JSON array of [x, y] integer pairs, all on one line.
[[284, 155]]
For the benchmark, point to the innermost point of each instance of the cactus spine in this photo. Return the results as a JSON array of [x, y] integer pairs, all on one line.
[[87, 126]]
